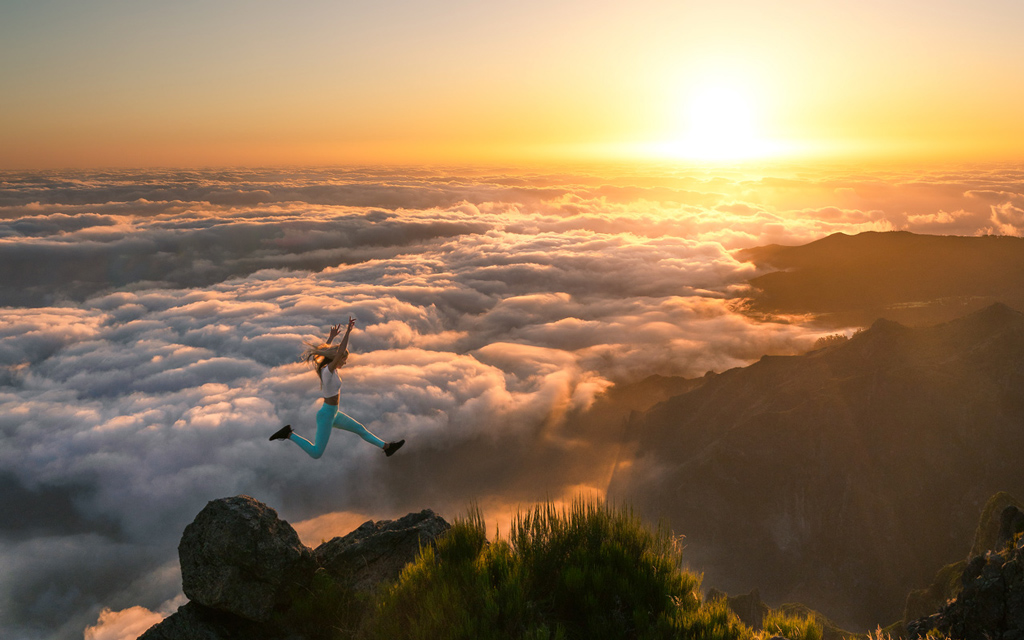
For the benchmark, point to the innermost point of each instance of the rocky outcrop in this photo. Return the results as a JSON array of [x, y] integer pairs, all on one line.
[[991, 603], [196, 622], [237, 556], [377, 551], [243, 568], [1000, 521]]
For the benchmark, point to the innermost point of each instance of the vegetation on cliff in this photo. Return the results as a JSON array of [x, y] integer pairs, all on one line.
[[588, 571]]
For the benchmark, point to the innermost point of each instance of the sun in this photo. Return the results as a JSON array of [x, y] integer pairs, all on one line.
[[712, 118], [720, 117], [719, 122]]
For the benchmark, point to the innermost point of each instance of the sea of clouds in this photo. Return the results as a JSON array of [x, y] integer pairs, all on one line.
[[150, 325]]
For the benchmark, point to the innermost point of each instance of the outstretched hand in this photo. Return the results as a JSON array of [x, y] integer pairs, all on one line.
[[335, 330]]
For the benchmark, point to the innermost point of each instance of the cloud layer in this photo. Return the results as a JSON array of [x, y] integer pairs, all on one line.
[[151, 323]]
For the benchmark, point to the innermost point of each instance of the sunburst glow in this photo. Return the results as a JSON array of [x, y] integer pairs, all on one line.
[[718, 122], [721, 120], [721, 123]]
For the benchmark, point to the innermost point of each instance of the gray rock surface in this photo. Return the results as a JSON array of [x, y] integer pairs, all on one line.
[[991, 604], [196, 622], [237, 556], [377, 551], [241, 566]]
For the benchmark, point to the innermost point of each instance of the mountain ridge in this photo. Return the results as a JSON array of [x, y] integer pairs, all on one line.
[[917, 279], [846, 474]]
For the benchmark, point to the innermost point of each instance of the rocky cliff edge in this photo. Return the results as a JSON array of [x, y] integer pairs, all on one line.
[[243, 569]]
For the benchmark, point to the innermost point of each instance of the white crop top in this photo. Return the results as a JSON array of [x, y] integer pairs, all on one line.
[[331, 382]]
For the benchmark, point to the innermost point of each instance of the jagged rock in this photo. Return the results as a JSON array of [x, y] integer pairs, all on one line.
[[377, 551], [196, 622], [241, 566], [189, 622], [991, 604], [1001, 519], [237, 556]]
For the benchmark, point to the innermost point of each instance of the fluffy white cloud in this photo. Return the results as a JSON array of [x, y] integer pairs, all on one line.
[[151, 325]]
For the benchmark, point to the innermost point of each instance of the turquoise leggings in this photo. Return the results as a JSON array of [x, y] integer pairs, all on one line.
[[327, 417]]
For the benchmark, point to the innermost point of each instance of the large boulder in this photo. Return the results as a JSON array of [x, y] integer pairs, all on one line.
[[195, 622], [241, 566], [237, 556], [377, 551]]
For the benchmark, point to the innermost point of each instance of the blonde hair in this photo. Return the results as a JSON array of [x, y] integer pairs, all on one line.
[[319, 354]]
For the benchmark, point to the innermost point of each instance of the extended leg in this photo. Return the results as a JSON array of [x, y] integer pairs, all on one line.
[[324, 418], [342, 421]]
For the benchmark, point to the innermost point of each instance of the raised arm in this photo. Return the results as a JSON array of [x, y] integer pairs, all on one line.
[[339, 358]]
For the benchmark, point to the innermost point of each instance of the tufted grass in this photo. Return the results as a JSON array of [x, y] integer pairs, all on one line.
[[587, 571]]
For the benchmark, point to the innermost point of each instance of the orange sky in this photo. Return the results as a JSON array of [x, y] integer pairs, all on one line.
[[109, 83]]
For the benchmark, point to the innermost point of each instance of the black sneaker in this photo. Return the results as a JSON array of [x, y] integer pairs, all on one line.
[[392, 447], [282, 433]]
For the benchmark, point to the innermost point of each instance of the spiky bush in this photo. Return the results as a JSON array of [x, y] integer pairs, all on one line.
[[589, 571]]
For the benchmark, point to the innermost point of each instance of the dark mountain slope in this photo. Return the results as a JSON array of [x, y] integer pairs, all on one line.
[[917, 279], [843, 477]]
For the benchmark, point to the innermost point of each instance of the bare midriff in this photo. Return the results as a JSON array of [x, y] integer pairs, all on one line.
[[332, 400]]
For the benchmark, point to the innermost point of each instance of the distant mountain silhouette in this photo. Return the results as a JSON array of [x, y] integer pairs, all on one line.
[[844, 477], [915, 279]]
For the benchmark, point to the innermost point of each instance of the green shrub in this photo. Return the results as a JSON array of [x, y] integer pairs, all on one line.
[[588, 571]]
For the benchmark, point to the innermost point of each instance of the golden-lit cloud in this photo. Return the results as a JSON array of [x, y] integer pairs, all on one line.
[[127, 624], [492, 307]]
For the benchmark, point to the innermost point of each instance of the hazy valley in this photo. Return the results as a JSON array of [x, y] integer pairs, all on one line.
[[842, 478]]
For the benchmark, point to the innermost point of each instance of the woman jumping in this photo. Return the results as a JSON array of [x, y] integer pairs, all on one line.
[[327, 360]]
